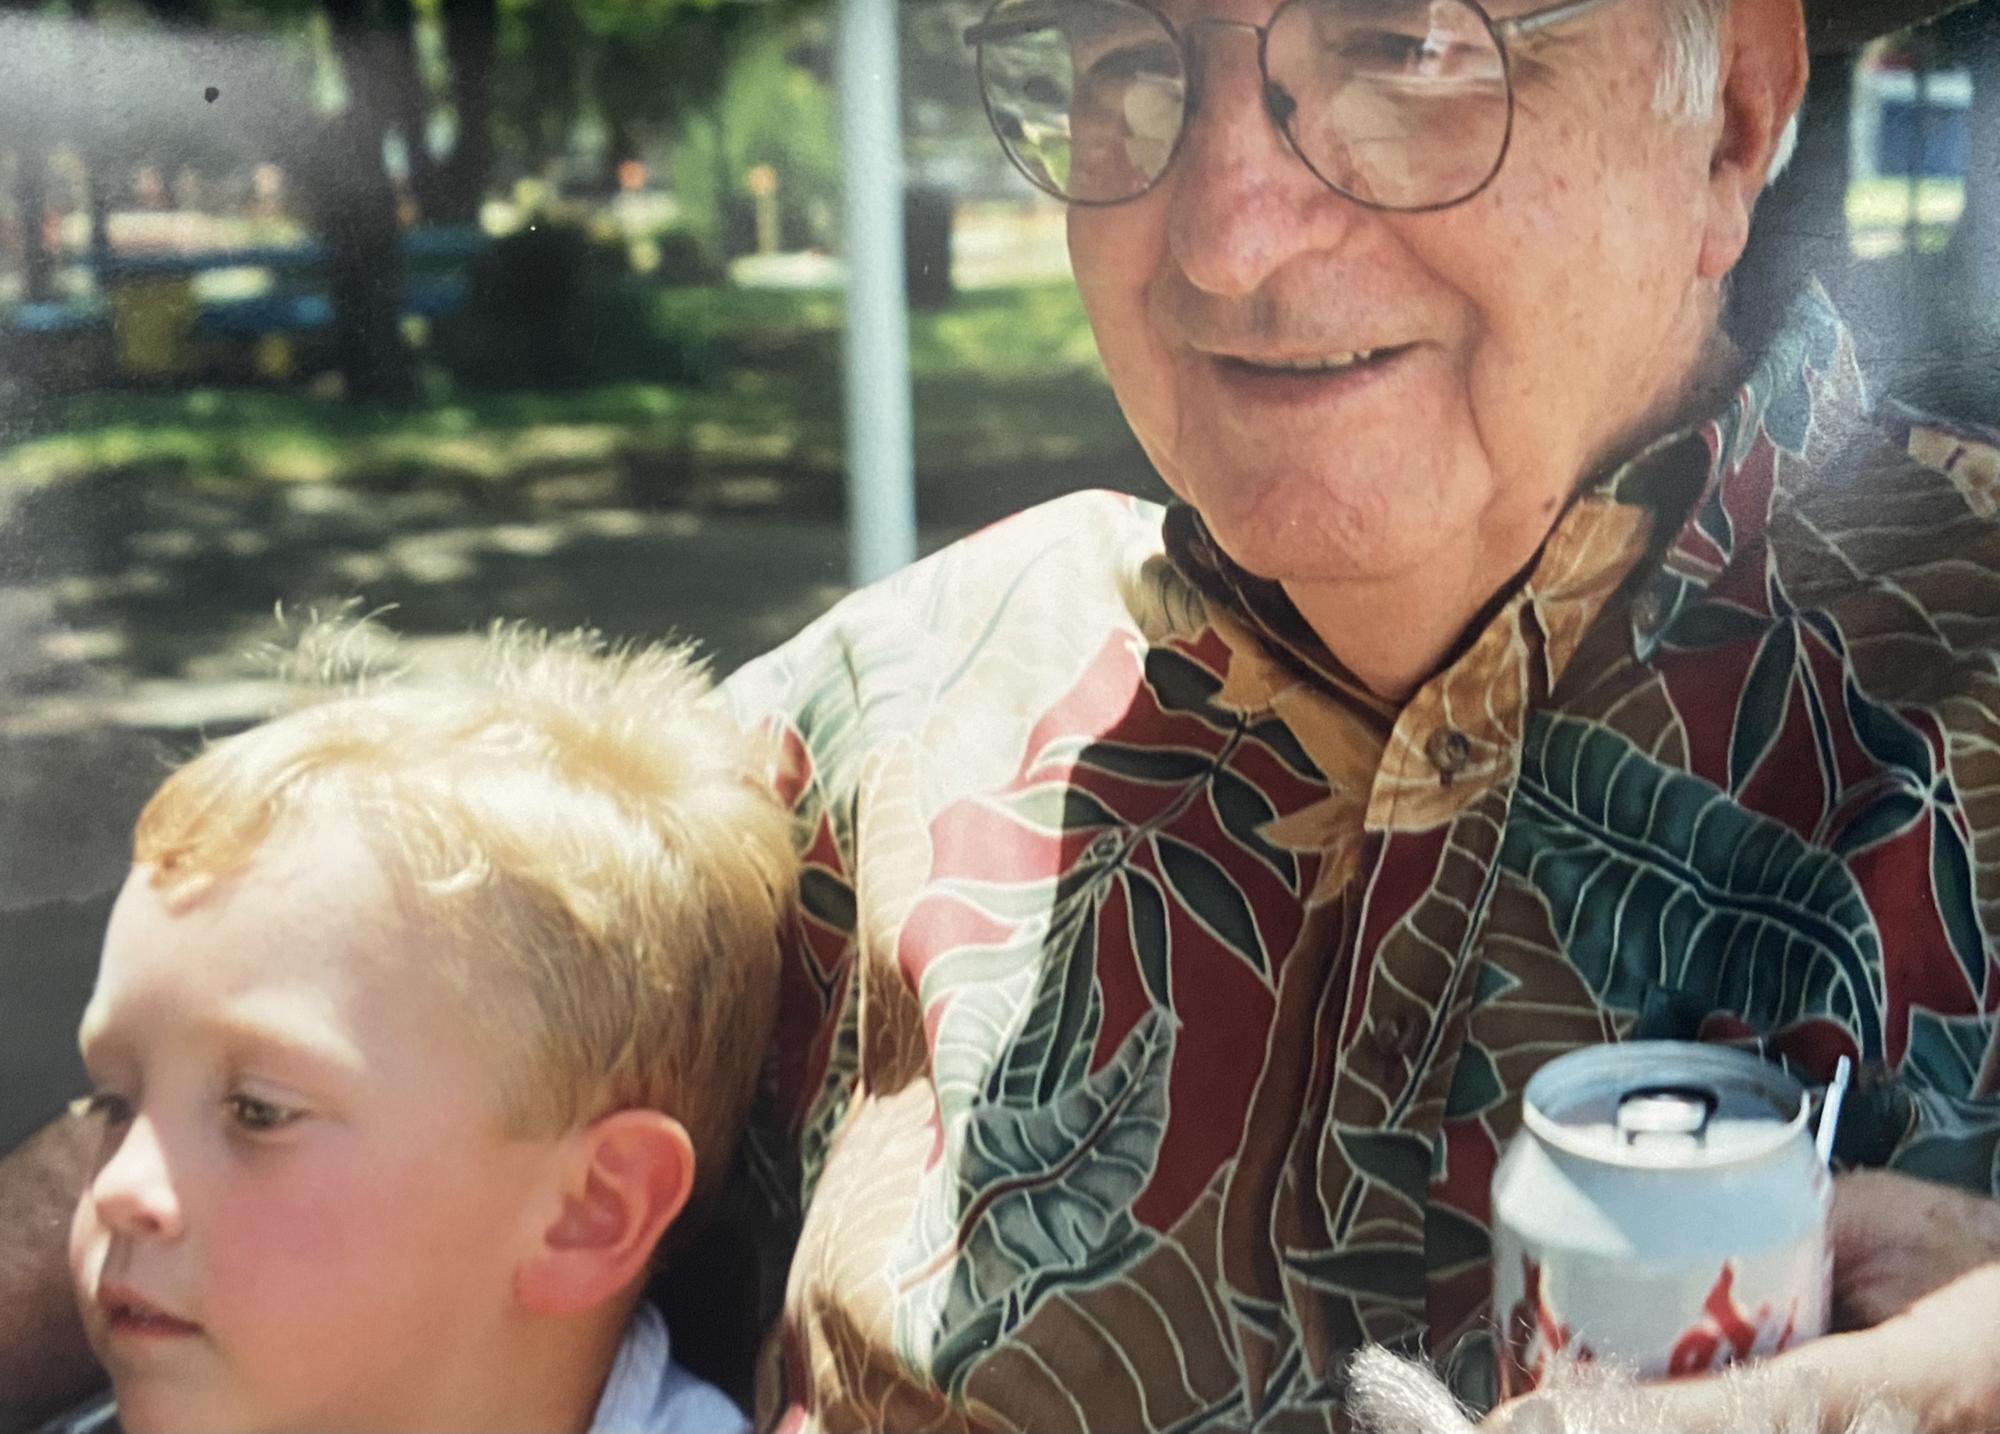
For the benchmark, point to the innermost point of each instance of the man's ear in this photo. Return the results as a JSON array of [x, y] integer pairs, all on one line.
[[629, 1176], [1763, 79]]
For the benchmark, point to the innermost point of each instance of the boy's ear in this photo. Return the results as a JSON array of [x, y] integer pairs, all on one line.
[[630, 1176]]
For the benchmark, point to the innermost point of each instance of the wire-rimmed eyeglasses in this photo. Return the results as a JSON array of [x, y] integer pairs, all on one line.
[[1397, 104]]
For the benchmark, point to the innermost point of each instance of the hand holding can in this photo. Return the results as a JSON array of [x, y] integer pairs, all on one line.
[[1664, 1208]]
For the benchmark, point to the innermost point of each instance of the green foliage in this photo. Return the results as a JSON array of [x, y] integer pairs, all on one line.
[[1004, 379], [773, 111], [626, 64]]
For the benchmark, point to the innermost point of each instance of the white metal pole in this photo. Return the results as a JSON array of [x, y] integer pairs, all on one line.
[[881, 489]]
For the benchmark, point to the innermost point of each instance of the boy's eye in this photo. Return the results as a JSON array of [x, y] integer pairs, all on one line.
[[103, 1106], [260, 1116]]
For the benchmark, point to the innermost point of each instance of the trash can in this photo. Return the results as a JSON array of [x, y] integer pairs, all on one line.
[[153, 322]]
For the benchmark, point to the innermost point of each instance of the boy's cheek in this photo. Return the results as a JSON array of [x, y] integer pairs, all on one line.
[[88, 1244]]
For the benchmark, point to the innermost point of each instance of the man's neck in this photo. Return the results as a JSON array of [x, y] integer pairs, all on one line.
[[1394, 632]]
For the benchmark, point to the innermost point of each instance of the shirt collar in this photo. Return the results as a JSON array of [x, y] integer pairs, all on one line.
[[1803, 392], [1795, 409], [632, 1388]]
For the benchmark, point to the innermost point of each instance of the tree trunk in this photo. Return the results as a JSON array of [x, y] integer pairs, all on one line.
[[97, 148], [31, 193], [356, 214], [471, 47], [411, 106]]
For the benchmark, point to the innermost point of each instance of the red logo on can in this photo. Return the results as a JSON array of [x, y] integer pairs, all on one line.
[[1725, 1333], [1536, 1339]]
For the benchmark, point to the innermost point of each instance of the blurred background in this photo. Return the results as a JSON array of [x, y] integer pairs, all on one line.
[[534, 308]]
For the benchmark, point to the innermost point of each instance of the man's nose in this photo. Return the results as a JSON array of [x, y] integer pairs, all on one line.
[[1242, 202], [134, 1190]]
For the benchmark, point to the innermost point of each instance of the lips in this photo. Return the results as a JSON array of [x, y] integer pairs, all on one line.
[[1325, 365], [127, 1312]]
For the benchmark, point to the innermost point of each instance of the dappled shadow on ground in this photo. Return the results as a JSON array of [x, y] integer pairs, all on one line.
[[134, 604], [158, 579]]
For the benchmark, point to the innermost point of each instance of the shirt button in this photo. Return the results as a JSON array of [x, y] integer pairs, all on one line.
[[1402, 1035], [1449, 750], [1646, 611]]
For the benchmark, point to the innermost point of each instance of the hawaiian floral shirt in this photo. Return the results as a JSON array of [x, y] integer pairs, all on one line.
[[1161, 1001]]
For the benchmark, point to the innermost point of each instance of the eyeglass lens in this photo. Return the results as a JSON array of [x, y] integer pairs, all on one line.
[[1401, 104]]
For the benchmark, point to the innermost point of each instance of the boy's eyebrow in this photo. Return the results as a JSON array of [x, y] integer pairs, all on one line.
[[103, 1041], [243, 1028]]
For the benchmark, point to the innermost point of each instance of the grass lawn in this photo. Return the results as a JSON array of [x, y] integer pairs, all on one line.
[[1004, 377]]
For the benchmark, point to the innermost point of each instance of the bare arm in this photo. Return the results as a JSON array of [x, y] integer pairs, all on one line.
[[44, 1363]]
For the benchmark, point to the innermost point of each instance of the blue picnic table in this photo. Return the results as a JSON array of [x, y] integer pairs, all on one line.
[[437, 262]]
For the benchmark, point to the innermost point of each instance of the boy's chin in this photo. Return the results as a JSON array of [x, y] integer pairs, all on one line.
[[153, 1407]]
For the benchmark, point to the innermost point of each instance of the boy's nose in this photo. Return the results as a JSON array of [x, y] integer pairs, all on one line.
[[134, 1192]]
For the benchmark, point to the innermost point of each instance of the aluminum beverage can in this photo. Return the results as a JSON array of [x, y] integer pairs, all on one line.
[[1663, 1207]]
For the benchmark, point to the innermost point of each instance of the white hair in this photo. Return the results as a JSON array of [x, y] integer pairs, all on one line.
[[1691, 73]]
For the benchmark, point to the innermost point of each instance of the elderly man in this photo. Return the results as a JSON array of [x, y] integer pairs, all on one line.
[[1526, 666], [1190, 893]]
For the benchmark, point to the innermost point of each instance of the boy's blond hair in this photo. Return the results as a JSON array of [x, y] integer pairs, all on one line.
[[586, 828]]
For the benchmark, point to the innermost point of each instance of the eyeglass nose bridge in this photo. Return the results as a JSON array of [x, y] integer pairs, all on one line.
[[1278, 104]]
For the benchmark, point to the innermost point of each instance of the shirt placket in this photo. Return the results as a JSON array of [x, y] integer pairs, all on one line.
[[1440, 797]]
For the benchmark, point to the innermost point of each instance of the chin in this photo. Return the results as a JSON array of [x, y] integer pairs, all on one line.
[[1316, 530], [151, 1406], [1329, 508], [140, 1412]]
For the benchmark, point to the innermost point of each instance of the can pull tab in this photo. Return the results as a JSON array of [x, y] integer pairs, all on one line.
[[1829, 1111], [1666, 1112]]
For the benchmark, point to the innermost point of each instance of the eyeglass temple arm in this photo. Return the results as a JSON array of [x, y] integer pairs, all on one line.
[[1536, 21]]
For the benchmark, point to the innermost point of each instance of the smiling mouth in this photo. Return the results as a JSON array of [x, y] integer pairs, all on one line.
[[1315, 366]]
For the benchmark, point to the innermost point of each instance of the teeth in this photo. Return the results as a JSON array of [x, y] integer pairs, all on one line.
[[1328, 364]]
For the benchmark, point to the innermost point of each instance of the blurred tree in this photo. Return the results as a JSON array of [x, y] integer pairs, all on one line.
[[354, 207], [414, 97], [771, 110], [471, 48], [946, 138], [33, 136], [444, 66]]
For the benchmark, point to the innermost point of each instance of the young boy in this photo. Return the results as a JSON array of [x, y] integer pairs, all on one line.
[[425, 1012]]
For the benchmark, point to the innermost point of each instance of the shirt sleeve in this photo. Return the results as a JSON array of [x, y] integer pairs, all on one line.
[[804, 694]]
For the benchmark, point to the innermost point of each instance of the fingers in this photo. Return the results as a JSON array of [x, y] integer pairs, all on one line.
[[1825, 1388], [1934, 1368], [1897, 1239]]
